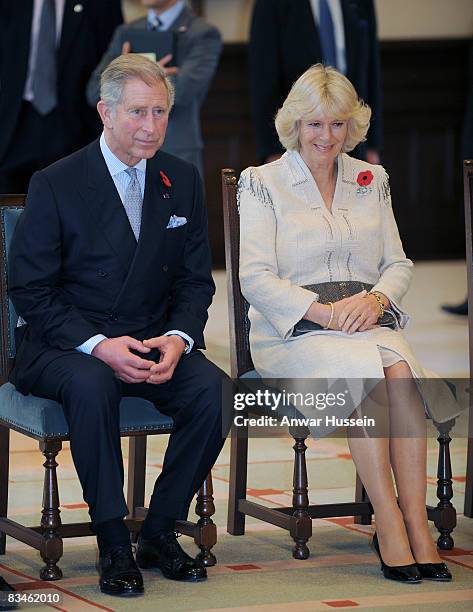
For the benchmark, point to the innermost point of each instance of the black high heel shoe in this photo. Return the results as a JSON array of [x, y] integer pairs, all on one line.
[[435, 571], [401, 573]]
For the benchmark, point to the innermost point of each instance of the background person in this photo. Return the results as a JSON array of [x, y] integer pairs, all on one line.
[[289, 36], [318, 215], [48, 50], [467, 153], [198, 45]]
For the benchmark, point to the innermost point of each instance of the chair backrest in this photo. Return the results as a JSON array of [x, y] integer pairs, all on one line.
[[11, 207], [240, 356]]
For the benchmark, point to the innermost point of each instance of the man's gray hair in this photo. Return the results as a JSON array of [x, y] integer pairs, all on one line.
[[131, 66]]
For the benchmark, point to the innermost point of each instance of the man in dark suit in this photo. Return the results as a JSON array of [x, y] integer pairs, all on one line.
[[110, 270], [197, 47], [48, 50], [467, 153], [288, 36]]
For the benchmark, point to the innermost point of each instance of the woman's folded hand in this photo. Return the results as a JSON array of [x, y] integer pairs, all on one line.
[[359, 312]]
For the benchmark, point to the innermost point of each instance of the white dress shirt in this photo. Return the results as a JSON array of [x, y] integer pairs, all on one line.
[[339, 31], [168, 17]]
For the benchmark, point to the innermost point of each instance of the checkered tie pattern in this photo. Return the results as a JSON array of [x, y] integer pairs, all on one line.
[[133, 202], [154, 22]]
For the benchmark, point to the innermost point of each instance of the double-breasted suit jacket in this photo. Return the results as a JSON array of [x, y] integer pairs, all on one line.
[[290, 239], [76, 269]]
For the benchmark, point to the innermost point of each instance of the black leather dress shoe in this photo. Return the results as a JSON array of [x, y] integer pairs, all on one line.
[[435, 571], [119, 574], [164, 552], [5, 590], [409, 574], [456, 309]]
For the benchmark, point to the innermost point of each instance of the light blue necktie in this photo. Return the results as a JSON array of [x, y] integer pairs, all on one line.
[[44, 84], [133, 202], [327, 34], [154, 22]]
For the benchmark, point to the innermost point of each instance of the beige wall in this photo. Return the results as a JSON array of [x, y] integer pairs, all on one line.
[[397, 19], [132, 9]]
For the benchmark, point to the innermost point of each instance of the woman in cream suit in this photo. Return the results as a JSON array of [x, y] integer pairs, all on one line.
[[318, 215]]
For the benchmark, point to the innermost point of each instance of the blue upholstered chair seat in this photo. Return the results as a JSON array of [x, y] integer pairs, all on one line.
[[250, 374], [39, 417]]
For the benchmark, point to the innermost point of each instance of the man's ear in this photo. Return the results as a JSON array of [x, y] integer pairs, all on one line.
[[104, 111]]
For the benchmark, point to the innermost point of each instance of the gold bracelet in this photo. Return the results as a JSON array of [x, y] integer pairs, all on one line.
[[380, 303], [332, 312]]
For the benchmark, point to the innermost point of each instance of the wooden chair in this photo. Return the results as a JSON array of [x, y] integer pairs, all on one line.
[[468, 191], [297, 519], [43, 420]]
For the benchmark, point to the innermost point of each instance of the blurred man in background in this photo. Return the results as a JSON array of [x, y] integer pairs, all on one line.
[[197, 47], [288, 36], [48, 49], [467, 153]]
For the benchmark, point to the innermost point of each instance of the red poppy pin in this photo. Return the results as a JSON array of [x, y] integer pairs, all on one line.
[[364, 179], [164, 177]]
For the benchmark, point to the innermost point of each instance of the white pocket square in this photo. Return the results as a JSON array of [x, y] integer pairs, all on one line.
[[175, 221]]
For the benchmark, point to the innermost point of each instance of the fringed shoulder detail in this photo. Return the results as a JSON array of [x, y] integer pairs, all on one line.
[[251, 181], [384, 188]]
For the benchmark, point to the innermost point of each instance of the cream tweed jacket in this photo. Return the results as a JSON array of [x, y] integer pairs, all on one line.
[[288, 238]]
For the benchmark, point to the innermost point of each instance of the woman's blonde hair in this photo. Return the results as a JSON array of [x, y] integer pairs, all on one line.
[[322, 89]]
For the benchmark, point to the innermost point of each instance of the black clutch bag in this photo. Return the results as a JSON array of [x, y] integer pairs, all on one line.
[[334, 291]]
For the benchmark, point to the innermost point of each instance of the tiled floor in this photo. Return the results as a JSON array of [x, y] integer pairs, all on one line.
[[256, 572]]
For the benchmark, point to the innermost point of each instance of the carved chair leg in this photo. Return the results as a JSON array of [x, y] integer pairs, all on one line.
[[238, 480], [362, 496], [205, 535], [51, 547], [136, 477], [301, 530], [468, 505], [445, 517], [4, 472]]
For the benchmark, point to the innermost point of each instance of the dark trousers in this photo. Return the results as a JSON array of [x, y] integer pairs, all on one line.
[[37, 142], [90, 394]]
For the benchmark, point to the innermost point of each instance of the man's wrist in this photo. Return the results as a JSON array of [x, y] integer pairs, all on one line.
[[189, 342], [88, 347], [182, 342]]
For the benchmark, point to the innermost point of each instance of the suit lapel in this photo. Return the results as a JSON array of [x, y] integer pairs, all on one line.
[[74, 11], [18, 38], [180, 26], [307, 31], [301, 181], [183, 20], [107, 208], [157, 208], [154, 219]]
